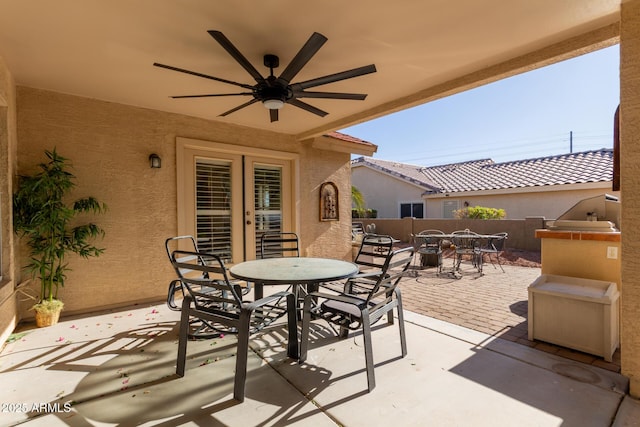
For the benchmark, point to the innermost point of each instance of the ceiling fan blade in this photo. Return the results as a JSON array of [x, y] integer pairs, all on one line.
[[331, 95], [356, 72], [193, 73], [309, 49], [239, 107], [211, 95], [273, 115], [233, 51], [307, 107]]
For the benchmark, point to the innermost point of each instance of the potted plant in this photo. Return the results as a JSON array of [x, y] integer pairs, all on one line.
[[43, 217]]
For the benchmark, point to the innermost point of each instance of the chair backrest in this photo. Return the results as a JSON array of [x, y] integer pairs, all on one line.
[[429, 237], [497, 242], [182, 243], [374, 250], [279, 245], [357, 230], [465, 240], [200, 272], [185, 243], [396, 264]]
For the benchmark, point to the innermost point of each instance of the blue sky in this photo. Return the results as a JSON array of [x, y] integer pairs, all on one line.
[[522, 117]]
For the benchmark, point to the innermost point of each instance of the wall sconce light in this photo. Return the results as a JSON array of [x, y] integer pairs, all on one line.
[[155, 161]]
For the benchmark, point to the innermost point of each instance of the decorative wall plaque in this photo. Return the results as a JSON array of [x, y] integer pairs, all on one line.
[[329, 202]]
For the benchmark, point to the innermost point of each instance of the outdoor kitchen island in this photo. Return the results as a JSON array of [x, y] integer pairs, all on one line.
[[575, 301]]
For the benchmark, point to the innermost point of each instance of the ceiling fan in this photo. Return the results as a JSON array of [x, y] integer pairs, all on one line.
[[273, 92]]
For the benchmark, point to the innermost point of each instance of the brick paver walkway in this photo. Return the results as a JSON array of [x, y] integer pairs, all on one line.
[[495, 303]]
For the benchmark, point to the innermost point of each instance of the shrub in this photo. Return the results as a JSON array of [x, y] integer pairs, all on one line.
[[480, 212], [364, 213]]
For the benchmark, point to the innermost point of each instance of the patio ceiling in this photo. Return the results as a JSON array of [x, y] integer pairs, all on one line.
[[105, 49]]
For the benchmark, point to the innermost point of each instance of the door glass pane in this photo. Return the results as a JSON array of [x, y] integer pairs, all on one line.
[[267, 181], [213, 207]]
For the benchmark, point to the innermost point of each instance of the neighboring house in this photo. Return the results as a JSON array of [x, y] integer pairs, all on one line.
[[545, 186]]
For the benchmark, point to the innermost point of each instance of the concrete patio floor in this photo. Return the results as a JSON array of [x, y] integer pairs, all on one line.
[[118, 368]]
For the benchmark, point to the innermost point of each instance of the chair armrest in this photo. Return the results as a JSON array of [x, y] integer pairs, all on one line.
[[266, 300], [348, 299]]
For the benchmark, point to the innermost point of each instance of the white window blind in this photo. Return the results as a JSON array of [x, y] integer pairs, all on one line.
[[268, 200], [213, 207], [448, 208]]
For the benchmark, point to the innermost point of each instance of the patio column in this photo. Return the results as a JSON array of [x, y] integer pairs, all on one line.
[[630, 191]]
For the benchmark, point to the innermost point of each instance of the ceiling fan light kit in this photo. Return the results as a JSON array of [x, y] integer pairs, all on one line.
[[274, 92]]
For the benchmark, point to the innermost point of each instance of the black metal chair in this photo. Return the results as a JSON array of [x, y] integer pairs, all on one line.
[[495, 245], [430, 245], [364, 301], [188, 243], [225, 310], [279, 244], [373, 251], [466, 242]]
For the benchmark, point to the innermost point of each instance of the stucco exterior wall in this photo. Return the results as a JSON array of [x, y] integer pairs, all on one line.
[[524, 203], [320, 237], [630, 185], [109, 145], [383, 192]]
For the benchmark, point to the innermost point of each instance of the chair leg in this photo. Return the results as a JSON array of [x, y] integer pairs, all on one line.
[[368, 349], [499, 263], [403, 336], [241, 356], [183, 336]]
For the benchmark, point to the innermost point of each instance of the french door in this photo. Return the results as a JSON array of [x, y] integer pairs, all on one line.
[[230, 199]]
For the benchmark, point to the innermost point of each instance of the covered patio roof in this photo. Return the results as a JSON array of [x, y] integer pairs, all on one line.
[[422, 50]]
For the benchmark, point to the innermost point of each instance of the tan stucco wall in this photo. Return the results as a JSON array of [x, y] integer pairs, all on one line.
[[320, 237], [384, 192], [586, 255], [523, 204], [630, 185], [109, 145], [8, 305]]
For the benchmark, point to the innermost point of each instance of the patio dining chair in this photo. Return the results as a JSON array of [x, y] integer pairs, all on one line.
[[226, 311], [364, 301], [188, 243], [430, 245], [467, 243], [371, 257], [279, 244], [357, 231], [495, 245]]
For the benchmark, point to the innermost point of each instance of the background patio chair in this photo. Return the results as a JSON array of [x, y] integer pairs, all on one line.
[[466, 242], [364, 301], [225, 310], [495, 245], [357, 231], [430, 245]]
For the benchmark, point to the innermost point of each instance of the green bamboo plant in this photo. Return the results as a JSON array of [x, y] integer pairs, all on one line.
[[42, 216]]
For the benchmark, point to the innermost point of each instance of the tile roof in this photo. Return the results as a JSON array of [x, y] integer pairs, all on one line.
[[348, 138], [485, 174]]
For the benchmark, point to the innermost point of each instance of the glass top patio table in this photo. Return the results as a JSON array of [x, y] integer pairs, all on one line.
[[292, 271]]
